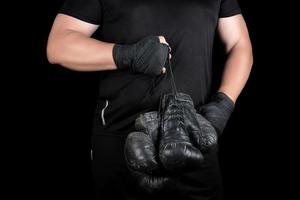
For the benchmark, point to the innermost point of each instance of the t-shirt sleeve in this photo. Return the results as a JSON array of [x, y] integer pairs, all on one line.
[[86, 10], [229, 8]]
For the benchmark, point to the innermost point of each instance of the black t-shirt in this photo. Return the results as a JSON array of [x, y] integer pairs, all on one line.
[[189, 27]]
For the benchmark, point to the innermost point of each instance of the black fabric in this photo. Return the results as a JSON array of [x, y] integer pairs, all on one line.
[[229, 8], [86, 10], [189, 27]]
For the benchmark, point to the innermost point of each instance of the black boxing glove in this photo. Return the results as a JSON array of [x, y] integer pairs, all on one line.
[[217, 111], [202, 133], [141, 154], [147, 56], [176, 151]]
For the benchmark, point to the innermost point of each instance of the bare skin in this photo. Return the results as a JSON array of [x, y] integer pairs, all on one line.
[[70, 45], [234, 34]]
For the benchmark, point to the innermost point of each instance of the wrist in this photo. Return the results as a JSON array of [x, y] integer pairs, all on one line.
[[225, 101], [122, 56], [229, 94]]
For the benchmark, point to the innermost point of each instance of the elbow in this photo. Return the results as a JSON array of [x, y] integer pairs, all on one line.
[[55, 50], [50, 57], [56, 55], [50, 51]]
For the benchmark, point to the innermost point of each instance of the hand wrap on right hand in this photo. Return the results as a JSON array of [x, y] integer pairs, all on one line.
[[147, 56]]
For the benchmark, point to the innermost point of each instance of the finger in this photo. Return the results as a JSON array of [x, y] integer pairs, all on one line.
[[162, 39]]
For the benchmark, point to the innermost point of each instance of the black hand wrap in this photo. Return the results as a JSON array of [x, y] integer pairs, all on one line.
[[147, 56], [218, 111]]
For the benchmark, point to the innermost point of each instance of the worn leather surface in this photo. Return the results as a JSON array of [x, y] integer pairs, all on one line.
[[141, 155], [201, 132], [169, 142], [176, 150]]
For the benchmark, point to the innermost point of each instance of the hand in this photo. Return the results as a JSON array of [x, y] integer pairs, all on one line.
[[218, 111], [148, 56]]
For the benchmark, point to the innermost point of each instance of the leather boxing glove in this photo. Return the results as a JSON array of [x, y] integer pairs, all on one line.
[[218, 111], [141, 154], [176, 151], [147, 56], [201, 132]]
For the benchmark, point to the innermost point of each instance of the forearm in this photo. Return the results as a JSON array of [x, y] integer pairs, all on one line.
[[79, 52], [237, 69]]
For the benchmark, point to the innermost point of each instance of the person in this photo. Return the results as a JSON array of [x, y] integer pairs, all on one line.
[[126, 41]]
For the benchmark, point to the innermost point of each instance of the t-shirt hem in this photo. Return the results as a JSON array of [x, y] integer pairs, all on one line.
[[78, 16], [230, 14]]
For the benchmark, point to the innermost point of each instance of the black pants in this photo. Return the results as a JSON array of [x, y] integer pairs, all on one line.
[[113, 180]]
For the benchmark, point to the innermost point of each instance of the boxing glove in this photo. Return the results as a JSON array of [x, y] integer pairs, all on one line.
[[201, 132], [217, 111], [141, 154], [176, 151], [147, 56]]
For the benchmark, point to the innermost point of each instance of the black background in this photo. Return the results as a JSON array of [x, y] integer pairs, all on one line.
[[50, 109]]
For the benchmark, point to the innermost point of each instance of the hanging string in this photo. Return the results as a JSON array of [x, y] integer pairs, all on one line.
[[174, 89]]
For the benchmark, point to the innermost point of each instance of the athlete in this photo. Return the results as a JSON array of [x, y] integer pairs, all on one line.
[[129, 41]]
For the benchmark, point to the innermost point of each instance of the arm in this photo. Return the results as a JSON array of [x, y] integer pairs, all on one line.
[[70, 45], [234, 34]]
